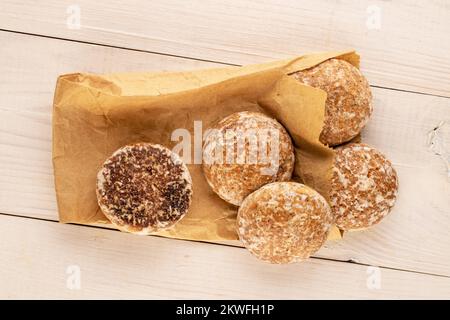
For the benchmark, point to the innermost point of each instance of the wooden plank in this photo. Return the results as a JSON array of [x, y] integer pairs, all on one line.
[[404, 44], [27, 87], [414, 237], [40, 260], [415, 232]]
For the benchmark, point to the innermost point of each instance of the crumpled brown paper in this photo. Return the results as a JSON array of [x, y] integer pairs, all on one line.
[[93, 115]]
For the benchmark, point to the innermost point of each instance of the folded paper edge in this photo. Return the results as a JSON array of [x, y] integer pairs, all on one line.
[[287, 65]]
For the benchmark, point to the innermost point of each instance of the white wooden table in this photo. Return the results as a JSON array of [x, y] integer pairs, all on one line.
[[405, 48]]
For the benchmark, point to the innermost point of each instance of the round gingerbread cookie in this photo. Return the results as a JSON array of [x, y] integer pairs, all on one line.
[[349, 99], [284, 222], [364, 186], [245, 151], [143, 188]]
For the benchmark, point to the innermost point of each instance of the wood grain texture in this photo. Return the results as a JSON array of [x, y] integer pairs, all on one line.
[[414, 233], [404, 43], [414, 237], [27, 85], [37, 254]]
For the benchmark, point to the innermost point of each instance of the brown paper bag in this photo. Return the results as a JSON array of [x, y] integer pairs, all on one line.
[[95, 115]]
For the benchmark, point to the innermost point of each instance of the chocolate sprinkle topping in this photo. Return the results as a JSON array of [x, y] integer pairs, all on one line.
[[143, 188]]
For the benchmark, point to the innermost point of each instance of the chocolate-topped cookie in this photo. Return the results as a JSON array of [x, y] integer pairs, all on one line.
[[143, 188]]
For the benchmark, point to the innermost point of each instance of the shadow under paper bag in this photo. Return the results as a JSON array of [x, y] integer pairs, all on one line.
[[94, 115]]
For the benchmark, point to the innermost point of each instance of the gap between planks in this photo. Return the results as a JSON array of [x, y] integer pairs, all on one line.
[[186, 57], [389, 244], [400, 52], [193, 271], [119, 47], [224, 244]]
